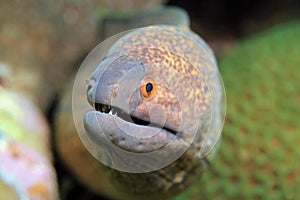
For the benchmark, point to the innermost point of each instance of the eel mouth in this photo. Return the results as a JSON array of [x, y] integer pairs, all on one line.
[[108, 125], [118, 112]]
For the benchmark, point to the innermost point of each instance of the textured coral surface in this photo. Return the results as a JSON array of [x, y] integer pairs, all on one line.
[[259, 156]]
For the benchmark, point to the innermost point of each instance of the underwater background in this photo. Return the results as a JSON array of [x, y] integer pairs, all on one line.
[[257, 45]]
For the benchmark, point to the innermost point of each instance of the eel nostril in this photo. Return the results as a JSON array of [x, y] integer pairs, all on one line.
[[89, 87]]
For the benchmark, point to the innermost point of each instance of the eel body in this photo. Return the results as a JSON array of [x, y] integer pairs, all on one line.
[[158, 139], [149, 112]]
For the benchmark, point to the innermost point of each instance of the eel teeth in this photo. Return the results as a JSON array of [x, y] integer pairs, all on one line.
[[106, 109]]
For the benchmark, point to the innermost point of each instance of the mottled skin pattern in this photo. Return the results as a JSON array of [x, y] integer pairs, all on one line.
[[187, 54], [188, 89]]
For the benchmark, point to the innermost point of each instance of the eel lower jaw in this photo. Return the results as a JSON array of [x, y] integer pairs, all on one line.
[[108, 123]]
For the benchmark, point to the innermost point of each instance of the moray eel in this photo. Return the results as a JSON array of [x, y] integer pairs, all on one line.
[[157, 115]]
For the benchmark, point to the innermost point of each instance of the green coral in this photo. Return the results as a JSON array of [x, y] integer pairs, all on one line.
[[259, 156]]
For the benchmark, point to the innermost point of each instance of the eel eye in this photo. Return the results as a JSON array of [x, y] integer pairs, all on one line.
[[148, 89]]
